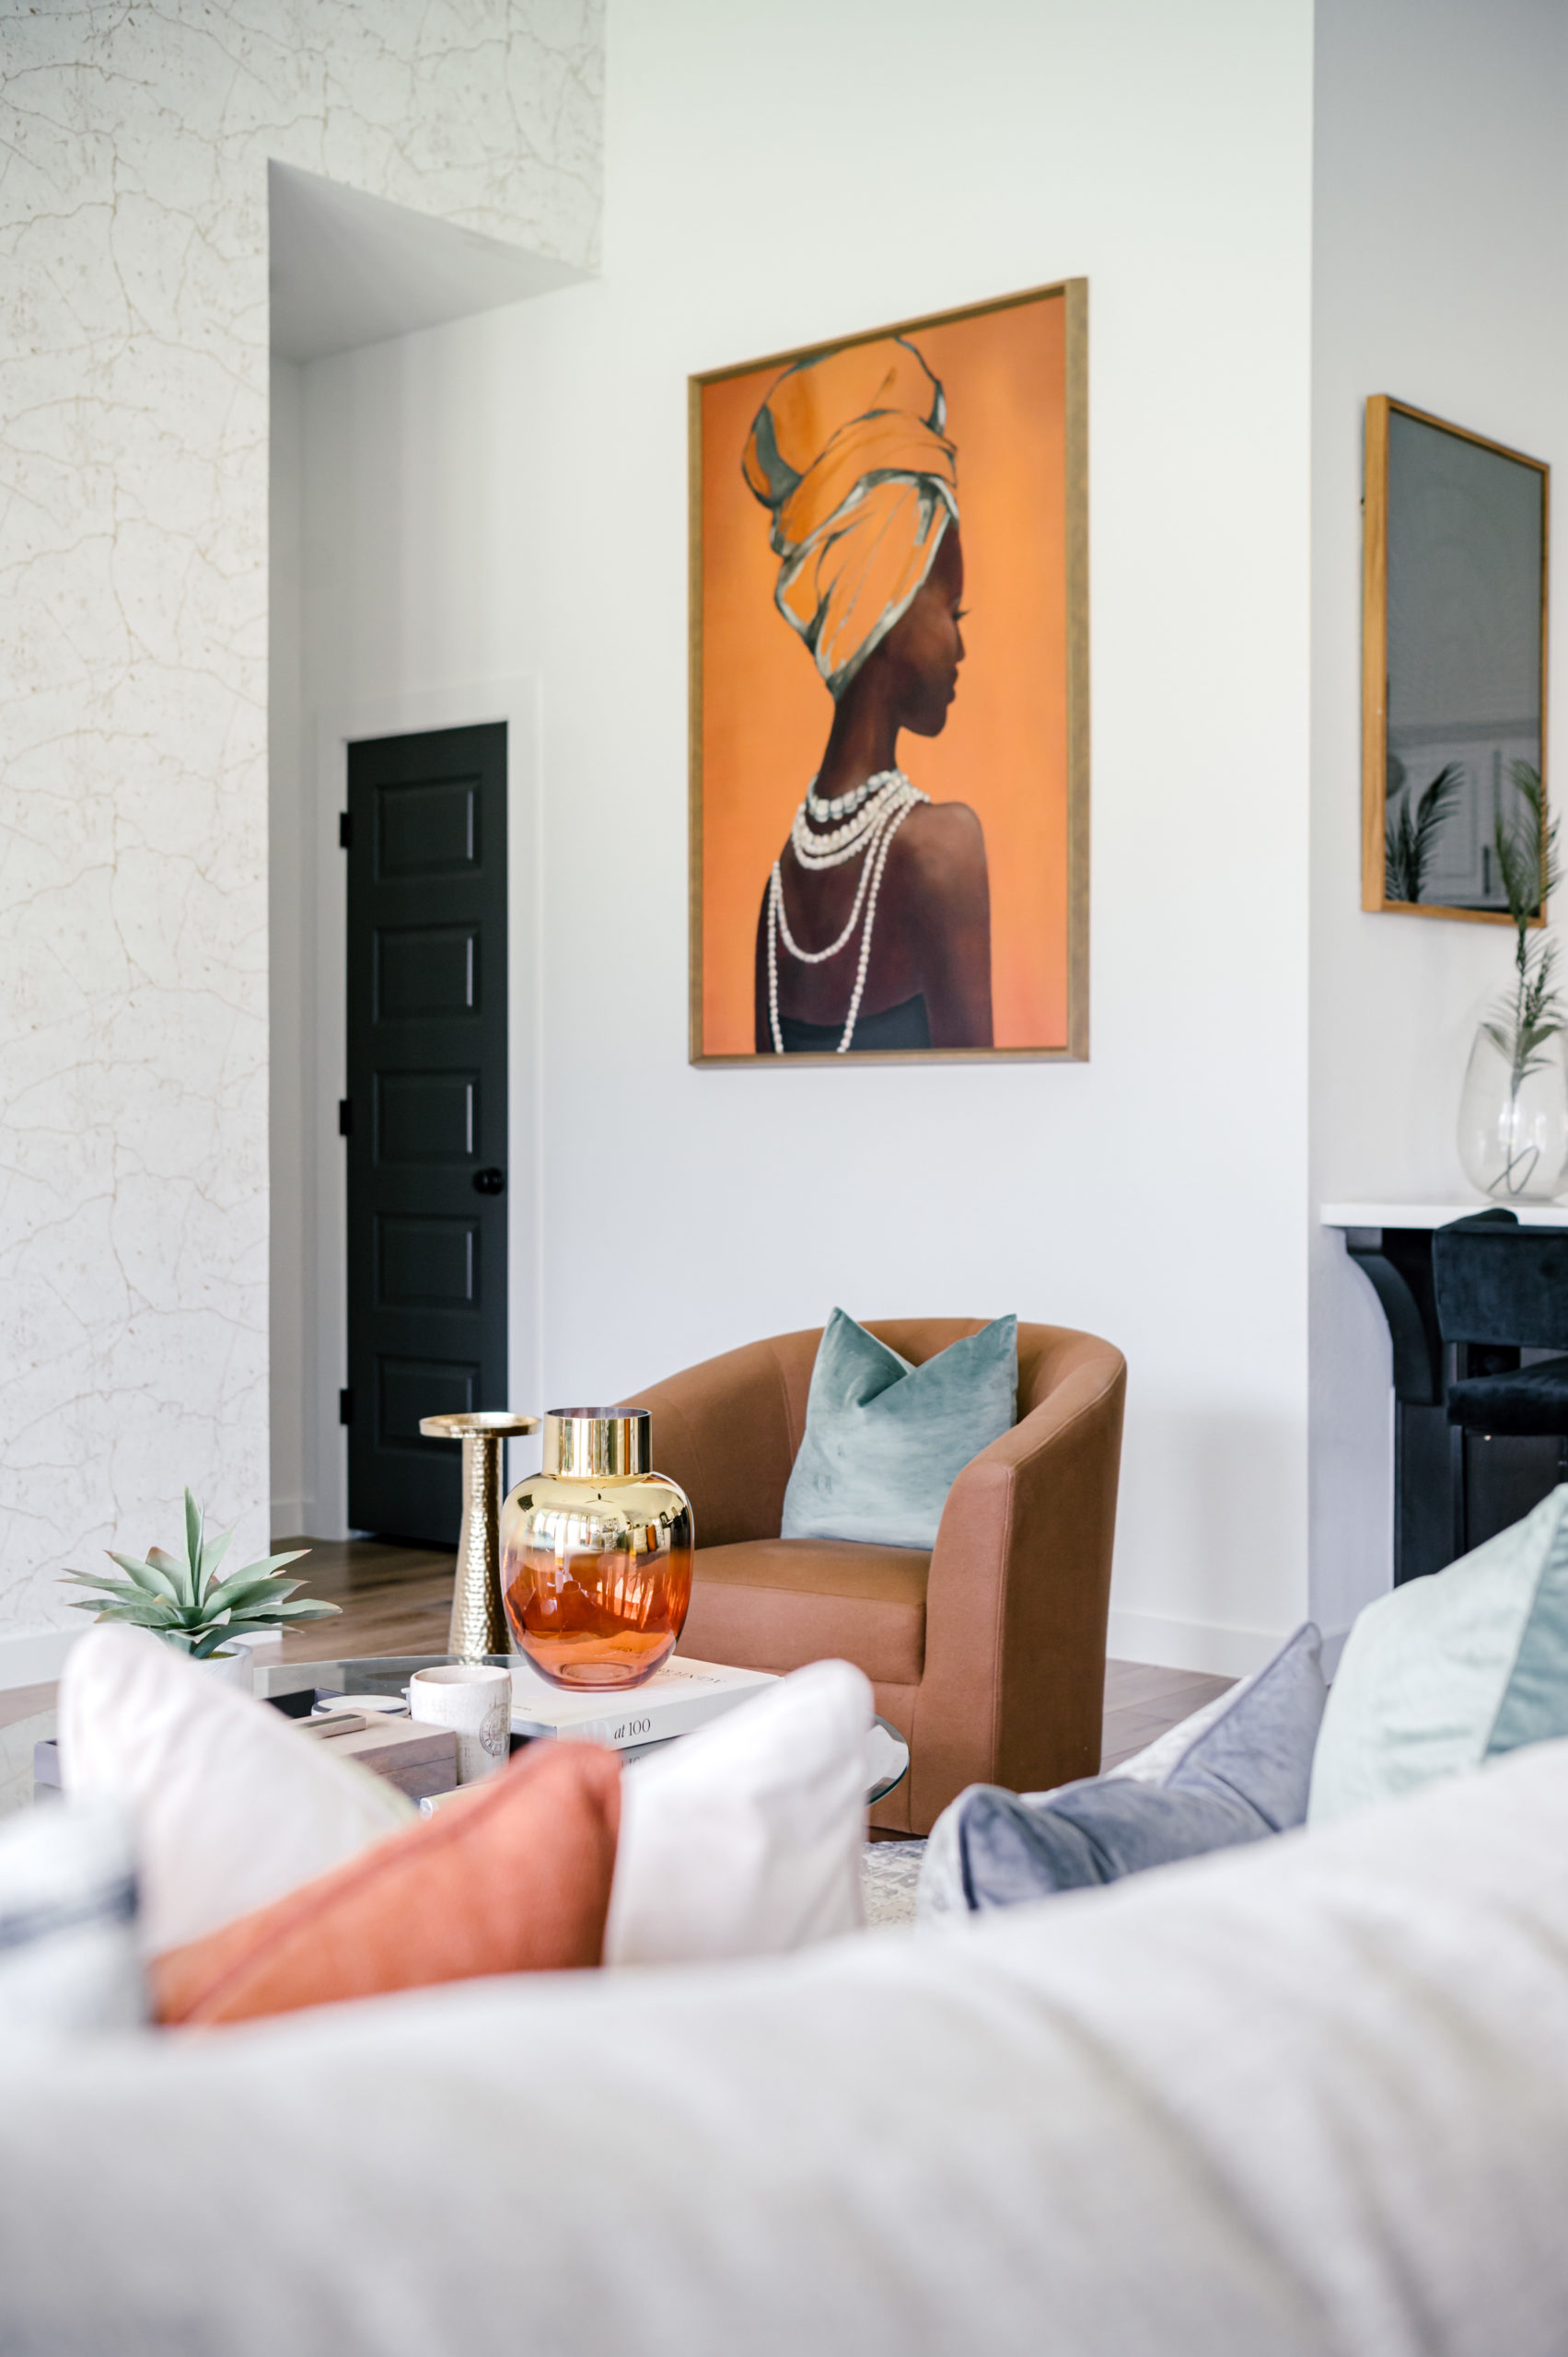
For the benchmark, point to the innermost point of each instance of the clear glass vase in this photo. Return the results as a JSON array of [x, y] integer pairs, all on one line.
[[1513, 1122]]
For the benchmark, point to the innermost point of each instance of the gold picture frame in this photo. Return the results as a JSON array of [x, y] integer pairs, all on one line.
[[726, 896], [1456, 542]]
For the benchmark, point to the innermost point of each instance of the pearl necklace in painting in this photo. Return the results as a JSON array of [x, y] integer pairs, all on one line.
[[818, 845], [877, 809], [822, 813]]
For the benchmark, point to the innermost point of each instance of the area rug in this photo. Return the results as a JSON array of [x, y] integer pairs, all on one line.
[[889, 1871]]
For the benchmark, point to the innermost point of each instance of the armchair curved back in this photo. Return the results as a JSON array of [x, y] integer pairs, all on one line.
[[728, 1429]]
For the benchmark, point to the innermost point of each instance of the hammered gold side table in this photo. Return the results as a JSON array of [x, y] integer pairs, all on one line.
[[479, 1619]]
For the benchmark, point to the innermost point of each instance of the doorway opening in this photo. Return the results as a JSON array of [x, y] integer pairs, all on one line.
[[425, 1116]]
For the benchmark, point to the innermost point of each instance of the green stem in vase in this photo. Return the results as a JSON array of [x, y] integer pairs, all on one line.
[[1521, 1025]]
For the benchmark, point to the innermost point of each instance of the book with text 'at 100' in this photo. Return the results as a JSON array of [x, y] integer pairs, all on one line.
[[678, 1699]]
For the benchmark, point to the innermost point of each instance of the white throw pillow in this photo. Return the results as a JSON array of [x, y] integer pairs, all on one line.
[[68, 1958], [745, 1839], [232, 1807]]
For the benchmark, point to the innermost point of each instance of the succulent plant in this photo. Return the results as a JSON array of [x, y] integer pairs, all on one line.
[[186, 1604]]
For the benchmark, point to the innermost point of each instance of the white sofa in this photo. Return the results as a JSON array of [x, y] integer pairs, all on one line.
[[1311, 2097]]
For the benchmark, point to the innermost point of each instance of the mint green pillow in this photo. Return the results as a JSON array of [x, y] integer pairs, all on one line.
[[885, 1441], [1451, 1670]]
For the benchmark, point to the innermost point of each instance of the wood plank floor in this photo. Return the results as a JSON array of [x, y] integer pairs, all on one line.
[[398, 1599], [393, 1599], [1141, 1703]]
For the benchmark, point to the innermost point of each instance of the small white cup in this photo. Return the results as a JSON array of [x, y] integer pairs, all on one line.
[[475, 1700]]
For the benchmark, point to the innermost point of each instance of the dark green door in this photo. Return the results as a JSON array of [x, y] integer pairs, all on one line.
[[425, 1114]]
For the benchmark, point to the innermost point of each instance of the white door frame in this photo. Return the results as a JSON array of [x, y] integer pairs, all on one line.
[[325, 1081]]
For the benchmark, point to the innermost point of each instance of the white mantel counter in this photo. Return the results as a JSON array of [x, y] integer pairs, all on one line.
[[1437, 1214]]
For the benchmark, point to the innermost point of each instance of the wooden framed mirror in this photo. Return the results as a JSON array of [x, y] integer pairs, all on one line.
[[1454, 614]]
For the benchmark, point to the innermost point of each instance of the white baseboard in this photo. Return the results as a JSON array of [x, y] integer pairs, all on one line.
[[289, 1517], [35, 1657], [1210, 1646], [1216, 1648]]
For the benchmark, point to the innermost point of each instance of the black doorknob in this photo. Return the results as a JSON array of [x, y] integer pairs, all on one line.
[[490, 1182]]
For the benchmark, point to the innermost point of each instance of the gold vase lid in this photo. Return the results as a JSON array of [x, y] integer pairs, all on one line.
[[598, 1443]]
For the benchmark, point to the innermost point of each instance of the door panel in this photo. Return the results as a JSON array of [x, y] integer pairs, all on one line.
[[426, 827], [426, 970], [405, 1389], [424, 1117], [423, 1263], [427, 1115]]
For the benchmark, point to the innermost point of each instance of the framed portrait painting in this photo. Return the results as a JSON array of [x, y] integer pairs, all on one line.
[[890, 692], [1453, 663]]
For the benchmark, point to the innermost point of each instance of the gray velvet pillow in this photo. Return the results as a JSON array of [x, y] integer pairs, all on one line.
[[1245, 1775], [885, 1441]]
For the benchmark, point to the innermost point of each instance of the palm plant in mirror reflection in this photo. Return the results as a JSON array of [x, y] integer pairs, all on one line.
[[1522, 1023], [185, 1602], [1410, 833]]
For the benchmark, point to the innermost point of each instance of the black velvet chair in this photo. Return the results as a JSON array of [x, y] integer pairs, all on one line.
[[1501, 1289]]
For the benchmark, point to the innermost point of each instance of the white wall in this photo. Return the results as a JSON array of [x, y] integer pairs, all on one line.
[[134, 1057], [1440, 246], [509, 495], [290, 996]]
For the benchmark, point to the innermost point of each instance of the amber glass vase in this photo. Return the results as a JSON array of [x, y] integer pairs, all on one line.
[[595, 1553]]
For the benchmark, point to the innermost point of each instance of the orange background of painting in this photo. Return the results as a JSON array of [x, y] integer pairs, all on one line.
[[766, 712]]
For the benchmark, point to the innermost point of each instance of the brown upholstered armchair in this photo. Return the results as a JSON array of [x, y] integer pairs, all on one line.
[[988, 1654]]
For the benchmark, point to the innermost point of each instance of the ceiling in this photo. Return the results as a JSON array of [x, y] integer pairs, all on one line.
[[348, 269]]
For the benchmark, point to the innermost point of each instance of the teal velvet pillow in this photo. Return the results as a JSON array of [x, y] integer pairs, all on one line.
[[1452, 1670], [886, 1441]]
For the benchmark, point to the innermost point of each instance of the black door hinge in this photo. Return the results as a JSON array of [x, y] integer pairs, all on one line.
[[345, 830], [345, 1407], [346, 1118]]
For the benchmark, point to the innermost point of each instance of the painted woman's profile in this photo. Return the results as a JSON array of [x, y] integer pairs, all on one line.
[[874, 928]]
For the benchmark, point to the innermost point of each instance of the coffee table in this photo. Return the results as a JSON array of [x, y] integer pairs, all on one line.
[[386, 1674], [389, 1673]]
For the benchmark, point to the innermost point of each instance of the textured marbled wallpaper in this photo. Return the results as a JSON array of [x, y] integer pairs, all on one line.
[[133, 148]]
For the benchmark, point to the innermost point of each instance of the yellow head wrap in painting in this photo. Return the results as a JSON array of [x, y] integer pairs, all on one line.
[[848, 452]]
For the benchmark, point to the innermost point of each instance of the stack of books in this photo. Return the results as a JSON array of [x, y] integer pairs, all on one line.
[[678, 1699]]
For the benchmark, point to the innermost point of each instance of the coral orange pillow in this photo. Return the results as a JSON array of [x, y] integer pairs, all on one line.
[[513, 1879]]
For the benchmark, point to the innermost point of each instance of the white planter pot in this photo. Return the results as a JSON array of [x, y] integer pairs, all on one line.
[[233, 1666]]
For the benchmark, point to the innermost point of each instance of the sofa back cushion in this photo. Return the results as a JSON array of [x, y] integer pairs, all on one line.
[[1301, 2099]]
